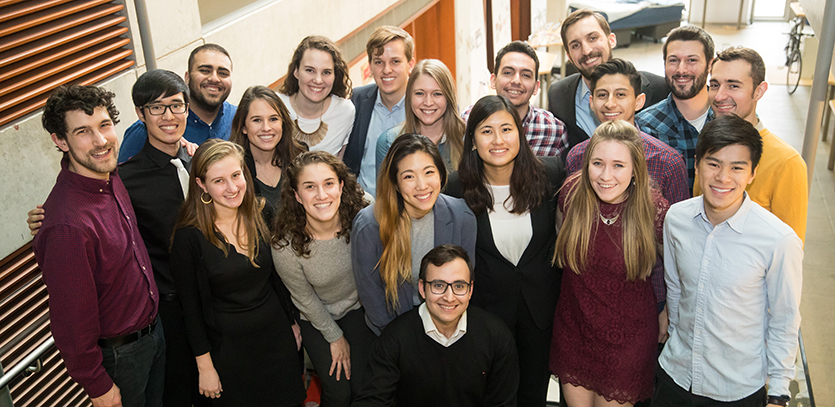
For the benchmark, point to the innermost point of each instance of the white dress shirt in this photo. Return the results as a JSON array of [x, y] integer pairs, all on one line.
[[436, 335], [733, 296]]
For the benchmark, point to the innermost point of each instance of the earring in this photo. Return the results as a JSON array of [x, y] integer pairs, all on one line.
[[474, 148], [204, 200]]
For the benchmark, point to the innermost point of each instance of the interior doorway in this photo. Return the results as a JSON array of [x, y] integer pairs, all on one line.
[[770, 10]]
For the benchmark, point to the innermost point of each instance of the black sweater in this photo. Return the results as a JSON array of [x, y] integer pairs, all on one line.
[[410, 369]]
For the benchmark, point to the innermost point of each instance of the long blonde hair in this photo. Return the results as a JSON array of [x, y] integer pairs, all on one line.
[[202, 216], [639, 241], [454, 126], [395, 224]]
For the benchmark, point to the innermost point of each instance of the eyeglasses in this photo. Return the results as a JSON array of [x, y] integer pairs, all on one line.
[[159, 110], [438, 287]]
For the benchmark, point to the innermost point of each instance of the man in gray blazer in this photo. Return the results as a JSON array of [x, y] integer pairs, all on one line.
[[589, 41]]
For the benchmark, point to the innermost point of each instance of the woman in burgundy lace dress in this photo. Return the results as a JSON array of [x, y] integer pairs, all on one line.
[[606, 327]]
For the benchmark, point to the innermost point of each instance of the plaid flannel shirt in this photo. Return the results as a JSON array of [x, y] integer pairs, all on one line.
[[545, 133], [665, 122]]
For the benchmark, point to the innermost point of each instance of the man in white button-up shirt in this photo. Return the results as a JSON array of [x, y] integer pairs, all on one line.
[[733, 273]]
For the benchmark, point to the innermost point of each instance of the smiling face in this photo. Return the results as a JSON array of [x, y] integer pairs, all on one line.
[[209, 79], [497, 140], [587, 46], [316, 75], [685, 69], [418, 183], [391, 70], [165, 130], [262, 126], [516, 79], [225, 183], [610, 171], [91, 143], [723, 176], [320, 193], [446, 309], [613, 98], [428, 101], [732, 90]]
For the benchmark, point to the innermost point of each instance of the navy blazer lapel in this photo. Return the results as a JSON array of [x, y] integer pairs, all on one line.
[[366, 109], [443, 221]]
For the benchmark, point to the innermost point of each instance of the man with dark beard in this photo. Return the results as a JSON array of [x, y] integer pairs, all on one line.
[[209, 79], [678, 119], [589, 41]]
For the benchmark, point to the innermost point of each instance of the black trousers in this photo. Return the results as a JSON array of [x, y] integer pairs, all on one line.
[[360, 338], [533, 346], [670, 394], [181, 380]]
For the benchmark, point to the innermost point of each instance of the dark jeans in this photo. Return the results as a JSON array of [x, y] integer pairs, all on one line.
[[359, 337], [138, 369], [670, 394], [181, 387]]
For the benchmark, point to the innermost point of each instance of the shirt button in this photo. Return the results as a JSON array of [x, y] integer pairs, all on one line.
[[101, 190], [134, 243], [143, 268]]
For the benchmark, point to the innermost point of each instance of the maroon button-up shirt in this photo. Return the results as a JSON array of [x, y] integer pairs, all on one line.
[[96, 270]]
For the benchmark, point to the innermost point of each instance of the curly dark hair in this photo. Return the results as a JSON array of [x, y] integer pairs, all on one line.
[[67, 98], [290, 226], [341, 83]]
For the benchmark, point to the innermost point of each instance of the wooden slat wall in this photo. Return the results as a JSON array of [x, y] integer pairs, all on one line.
[[48, 43], [24, 325]]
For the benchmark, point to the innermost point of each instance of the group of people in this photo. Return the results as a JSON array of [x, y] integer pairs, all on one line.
[[354, 223]]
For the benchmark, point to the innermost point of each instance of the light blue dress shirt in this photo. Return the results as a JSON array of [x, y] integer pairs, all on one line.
[[582, 112], [733, 296], [382, 119]]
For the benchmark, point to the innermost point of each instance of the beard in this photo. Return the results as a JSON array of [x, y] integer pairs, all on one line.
[[586, 72], [699, 83], [85, 160], [203, 102]]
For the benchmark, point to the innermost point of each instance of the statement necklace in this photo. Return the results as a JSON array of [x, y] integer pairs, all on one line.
[[316, 136], [609, 221]]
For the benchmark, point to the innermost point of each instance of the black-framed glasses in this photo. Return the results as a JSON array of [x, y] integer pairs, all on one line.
[[438, 287], [159, 110]]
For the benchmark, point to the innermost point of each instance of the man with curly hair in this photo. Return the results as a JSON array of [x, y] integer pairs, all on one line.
[[103, 299]]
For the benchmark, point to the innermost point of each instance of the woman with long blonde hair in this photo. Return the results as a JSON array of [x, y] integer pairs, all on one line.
[[238, 322], [604, 343], [432, 111], [409, 218]]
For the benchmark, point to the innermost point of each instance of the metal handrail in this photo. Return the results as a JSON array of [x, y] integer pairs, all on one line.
[[805, 367], [26, 362]]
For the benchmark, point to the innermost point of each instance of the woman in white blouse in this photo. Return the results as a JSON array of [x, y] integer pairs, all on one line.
[[513, 195], [316, 92]]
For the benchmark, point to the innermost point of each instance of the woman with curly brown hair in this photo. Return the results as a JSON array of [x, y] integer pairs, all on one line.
[[316, 91], [312, 254]]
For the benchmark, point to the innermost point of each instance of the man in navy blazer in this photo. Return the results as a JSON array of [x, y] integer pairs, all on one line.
[[379, 106], [589, 41]]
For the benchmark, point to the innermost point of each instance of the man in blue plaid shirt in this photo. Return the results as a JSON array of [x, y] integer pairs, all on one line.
[[515, 78], [678, 119]]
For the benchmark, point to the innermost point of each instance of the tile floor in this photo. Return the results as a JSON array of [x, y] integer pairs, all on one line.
[[785, 115]]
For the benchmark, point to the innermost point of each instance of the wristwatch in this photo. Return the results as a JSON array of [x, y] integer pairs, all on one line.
[[779, 400]]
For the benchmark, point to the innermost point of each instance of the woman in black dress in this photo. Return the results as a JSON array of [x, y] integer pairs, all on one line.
[[238, 323], [262, 126]]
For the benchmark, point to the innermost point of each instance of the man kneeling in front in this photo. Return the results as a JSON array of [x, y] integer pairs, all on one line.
[[442, 353]]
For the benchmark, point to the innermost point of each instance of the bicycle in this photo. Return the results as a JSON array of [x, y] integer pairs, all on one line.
[[794, 61]]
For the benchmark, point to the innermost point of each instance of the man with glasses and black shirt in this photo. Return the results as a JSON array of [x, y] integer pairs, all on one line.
[[442, 352], [156, 180]]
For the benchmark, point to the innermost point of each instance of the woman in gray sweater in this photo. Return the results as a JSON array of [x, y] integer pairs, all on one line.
[[312, 254]]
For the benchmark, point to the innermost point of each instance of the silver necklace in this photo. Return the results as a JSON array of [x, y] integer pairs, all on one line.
[[609, 221]]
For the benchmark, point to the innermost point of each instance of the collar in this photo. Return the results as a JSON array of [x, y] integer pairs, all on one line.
[[87, 184], [397, 106], [736, 221], [193, 117], [162, 159], [432, 331], [583, 89], [760, 126]]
